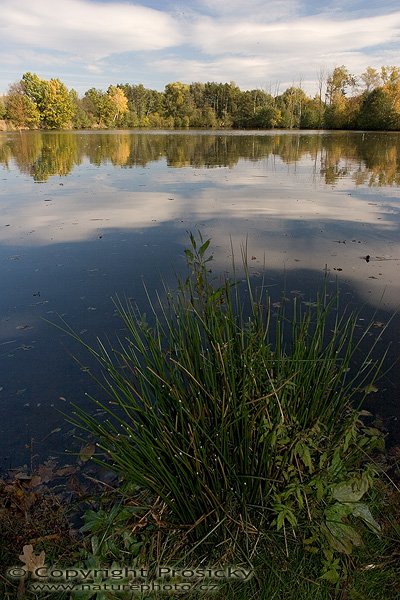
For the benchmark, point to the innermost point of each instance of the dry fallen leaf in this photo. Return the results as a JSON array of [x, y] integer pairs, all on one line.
[[35, 481], [31, 560], [46, 470], [64, 471]]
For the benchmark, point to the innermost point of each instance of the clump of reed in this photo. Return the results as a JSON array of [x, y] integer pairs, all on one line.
[[242, 420]]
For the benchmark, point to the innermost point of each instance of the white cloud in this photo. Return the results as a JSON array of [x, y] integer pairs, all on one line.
[[261, 53], [252, 43], [88, 29], [300, 37]]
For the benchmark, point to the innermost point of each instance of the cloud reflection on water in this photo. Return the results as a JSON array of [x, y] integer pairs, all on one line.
[[304, 200]]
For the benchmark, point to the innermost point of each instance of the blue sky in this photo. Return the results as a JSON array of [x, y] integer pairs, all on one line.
[[267, 44]]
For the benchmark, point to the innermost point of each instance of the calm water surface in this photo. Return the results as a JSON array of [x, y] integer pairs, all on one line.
[[85, 216]]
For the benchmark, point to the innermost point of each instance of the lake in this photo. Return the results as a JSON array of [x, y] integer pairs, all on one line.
[[86, 216]]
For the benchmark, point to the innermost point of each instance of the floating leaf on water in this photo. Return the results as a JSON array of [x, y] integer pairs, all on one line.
[[46, 471], [67, 470], [86, 452], [35, 481], [23, 477], [370, 389]]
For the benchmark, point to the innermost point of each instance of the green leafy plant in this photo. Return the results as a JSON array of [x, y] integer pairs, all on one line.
[[110, 535]]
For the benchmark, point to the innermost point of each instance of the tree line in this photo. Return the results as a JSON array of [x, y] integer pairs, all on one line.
[[343, 101]]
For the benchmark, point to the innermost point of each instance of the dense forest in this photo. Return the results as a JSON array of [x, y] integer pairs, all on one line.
[[343, 101]]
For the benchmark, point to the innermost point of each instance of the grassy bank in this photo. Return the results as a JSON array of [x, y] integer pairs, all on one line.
[[237, 433]]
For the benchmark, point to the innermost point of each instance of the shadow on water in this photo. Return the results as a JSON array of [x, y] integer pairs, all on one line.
[[41, 375]]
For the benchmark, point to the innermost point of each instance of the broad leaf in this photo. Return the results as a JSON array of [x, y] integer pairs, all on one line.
[[362, 511], [350, 491]]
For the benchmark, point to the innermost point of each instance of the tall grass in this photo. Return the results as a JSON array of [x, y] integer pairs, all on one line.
[[236, 417]]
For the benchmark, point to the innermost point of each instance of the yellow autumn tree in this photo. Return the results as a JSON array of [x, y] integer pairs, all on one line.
[[118, 102], [391, 84]]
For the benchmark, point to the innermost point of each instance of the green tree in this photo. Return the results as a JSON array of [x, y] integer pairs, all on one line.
[[391, 84], [267, 116], [33, 88], [340, 112], [204, 117], [338, 83], [2, 108], [142, 104], [312, 113], [81, 119], [197, 92], [255, 109], [291, 104], [20, 109], [371, 79], [178, 103], [223, 99], [57, 108], [138, 100], [377, 111], [52, 100], [99, 107]]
